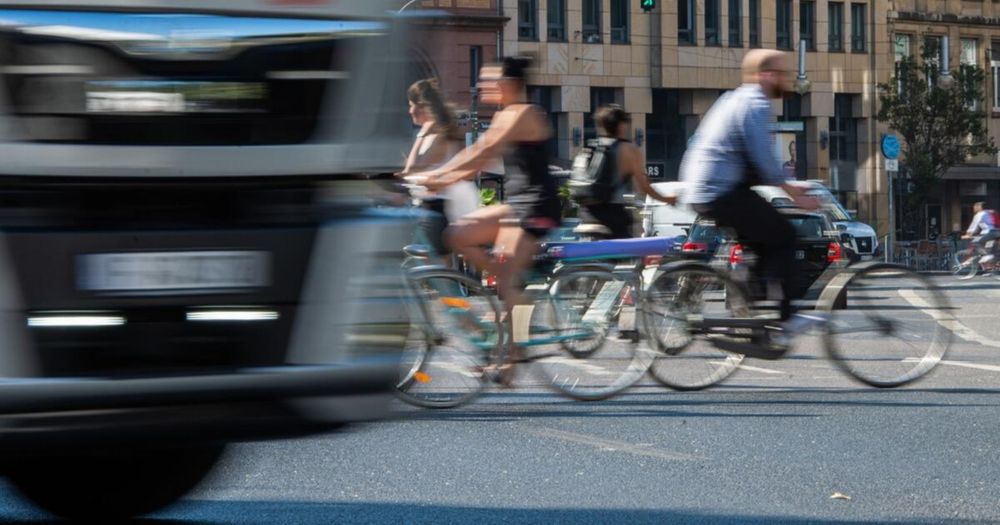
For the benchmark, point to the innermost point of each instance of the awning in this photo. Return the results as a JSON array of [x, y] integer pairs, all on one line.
[[972, 173]]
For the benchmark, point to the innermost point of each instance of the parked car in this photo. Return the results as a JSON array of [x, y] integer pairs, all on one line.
[[663, 220], [865, 239], [190, 254], [819, 253]]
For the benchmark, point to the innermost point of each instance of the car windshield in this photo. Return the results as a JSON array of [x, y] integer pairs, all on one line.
[[703, 232], [831, 207], [808, 227]]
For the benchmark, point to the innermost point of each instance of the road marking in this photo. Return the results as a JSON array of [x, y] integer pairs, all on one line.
[[611, 445], [761, 370], [977, 366], [947, 320]]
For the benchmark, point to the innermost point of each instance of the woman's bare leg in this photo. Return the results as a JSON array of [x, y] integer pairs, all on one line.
[[469, 234]]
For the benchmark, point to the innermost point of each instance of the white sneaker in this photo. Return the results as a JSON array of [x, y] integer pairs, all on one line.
[[798, 324]]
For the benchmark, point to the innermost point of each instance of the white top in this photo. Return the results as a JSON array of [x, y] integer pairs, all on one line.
[[982, 223]]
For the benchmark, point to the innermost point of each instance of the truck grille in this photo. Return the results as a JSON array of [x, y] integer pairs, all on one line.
[[150, 79]]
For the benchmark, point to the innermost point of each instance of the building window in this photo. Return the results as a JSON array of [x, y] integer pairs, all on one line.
[[735, 23], [754, 34], [901, 50], [556, 22], [902, 47], [592, 21], [711, 22], [685, 21], [969, 57], [527, 19], [807, 23], [970, 50], [835, 26], [858, 28], [932, 65], [843, 131], [784, 24], [599, 96], [619, 21], [475, 63]]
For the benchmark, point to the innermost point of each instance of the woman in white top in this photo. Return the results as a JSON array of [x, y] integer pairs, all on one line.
[[438, 140]]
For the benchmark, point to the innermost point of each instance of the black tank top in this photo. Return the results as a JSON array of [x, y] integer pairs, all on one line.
[[527, 172]]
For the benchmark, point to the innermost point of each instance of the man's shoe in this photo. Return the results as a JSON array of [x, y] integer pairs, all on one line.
[[796, 325]]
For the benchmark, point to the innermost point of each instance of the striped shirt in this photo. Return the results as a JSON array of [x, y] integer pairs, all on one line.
[[736, 129]]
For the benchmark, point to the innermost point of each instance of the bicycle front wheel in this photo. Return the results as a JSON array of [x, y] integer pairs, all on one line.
[[895, 328], [455, 330], [580, 336], [685, 362]]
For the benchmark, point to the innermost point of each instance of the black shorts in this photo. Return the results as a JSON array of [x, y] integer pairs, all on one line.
[[614, 217], [433, 224]]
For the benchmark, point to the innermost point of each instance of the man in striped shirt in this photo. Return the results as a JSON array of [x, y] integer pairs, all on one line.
[[732, 150]]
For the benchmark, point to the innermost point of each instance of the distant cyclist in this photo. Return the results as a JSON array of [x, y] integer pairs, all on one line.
[[733, 150], [984, 227], [626, 173]]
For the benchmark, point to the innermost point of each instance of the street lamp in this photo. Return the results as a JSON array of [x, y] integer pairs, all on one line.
[[802, 83]]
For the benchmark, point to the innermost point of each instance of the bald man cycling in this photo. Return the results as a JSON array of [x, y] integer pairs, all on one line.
[[732, 150]]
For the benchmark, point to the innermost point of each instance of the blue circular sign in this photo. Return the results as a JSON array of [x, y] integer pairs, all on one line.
[[890, 146]]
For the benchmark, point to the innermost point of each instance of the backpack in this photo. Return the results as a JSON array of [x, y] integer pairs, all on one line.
[[594, 177], [995, 218]]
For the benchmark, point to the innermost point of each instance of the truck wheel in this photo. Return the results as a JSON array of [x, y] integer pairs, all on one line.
[[113, 485]]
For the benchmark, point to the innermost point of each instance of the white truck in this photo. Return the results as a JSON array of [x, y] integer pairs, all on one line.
[[189, 252]]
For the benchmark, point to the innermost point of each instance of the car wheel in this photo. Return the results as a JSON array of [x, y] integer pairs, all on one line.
[[113, 485]]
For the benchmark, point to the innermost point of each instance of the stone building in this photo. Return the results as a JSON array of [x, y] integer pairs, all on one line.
[[668, 66]]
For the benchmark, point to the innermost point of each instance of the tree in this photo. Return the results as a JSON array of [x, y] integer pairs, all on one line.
[[940, 124]]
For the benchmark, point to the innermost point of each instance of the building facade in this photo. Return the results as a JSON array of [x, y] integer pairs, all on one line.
[[973, 30], [668, 66]]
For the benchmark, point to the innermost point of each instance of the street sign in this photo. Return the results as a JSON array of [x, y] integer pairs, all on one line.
[[891, 165], [654, 170], [890, 146]]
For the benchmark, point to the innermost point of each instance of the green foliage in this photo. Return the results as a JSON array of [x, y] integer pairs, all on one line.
[[939, 125], [488, 196]]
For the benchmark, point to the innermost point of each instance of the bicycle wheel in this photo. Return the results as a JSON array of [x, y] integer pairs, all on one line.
[[455, 330], [685, 362], [576, 335], [895, 329]]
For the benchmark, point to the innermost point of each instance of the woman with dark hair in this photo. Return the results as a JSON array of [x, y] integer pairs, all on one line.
[[613, 125], [518, 132], [438, 140]]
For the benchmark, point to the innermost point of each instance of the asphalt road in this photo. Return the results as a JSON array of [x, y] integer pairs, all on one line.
[[785, 442]]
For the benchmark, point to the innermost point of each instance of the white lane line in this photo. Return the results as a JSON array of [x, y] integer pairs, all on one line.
[[611, 445], [964, 364], [750, 368], [761, 370], [947, 321]]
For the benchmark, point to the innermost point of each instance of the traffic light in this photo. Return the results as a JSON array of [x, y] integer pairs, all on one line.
[[647, 5]]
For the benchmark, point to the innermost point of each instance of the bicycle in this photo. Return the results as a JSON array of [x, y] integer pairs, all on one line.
[[581, 331], [968, 262], [894, 328]]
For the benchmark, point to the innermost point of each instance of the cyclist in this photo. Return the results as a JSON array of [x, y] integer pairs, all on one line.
[[613, 122], [982, 229], [437, 141], [733, 149], [519, 133]]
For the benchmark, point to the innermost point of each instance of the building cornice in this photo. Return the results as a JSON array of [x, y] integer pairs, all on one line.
[[945, 18]]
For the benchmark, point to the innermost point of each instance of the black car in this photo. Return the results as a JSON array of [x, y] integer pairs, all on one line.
[[820, 253]]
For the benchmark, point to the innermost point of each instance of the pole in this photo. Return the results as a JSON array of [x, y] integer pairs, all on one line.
[[892, 218]]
